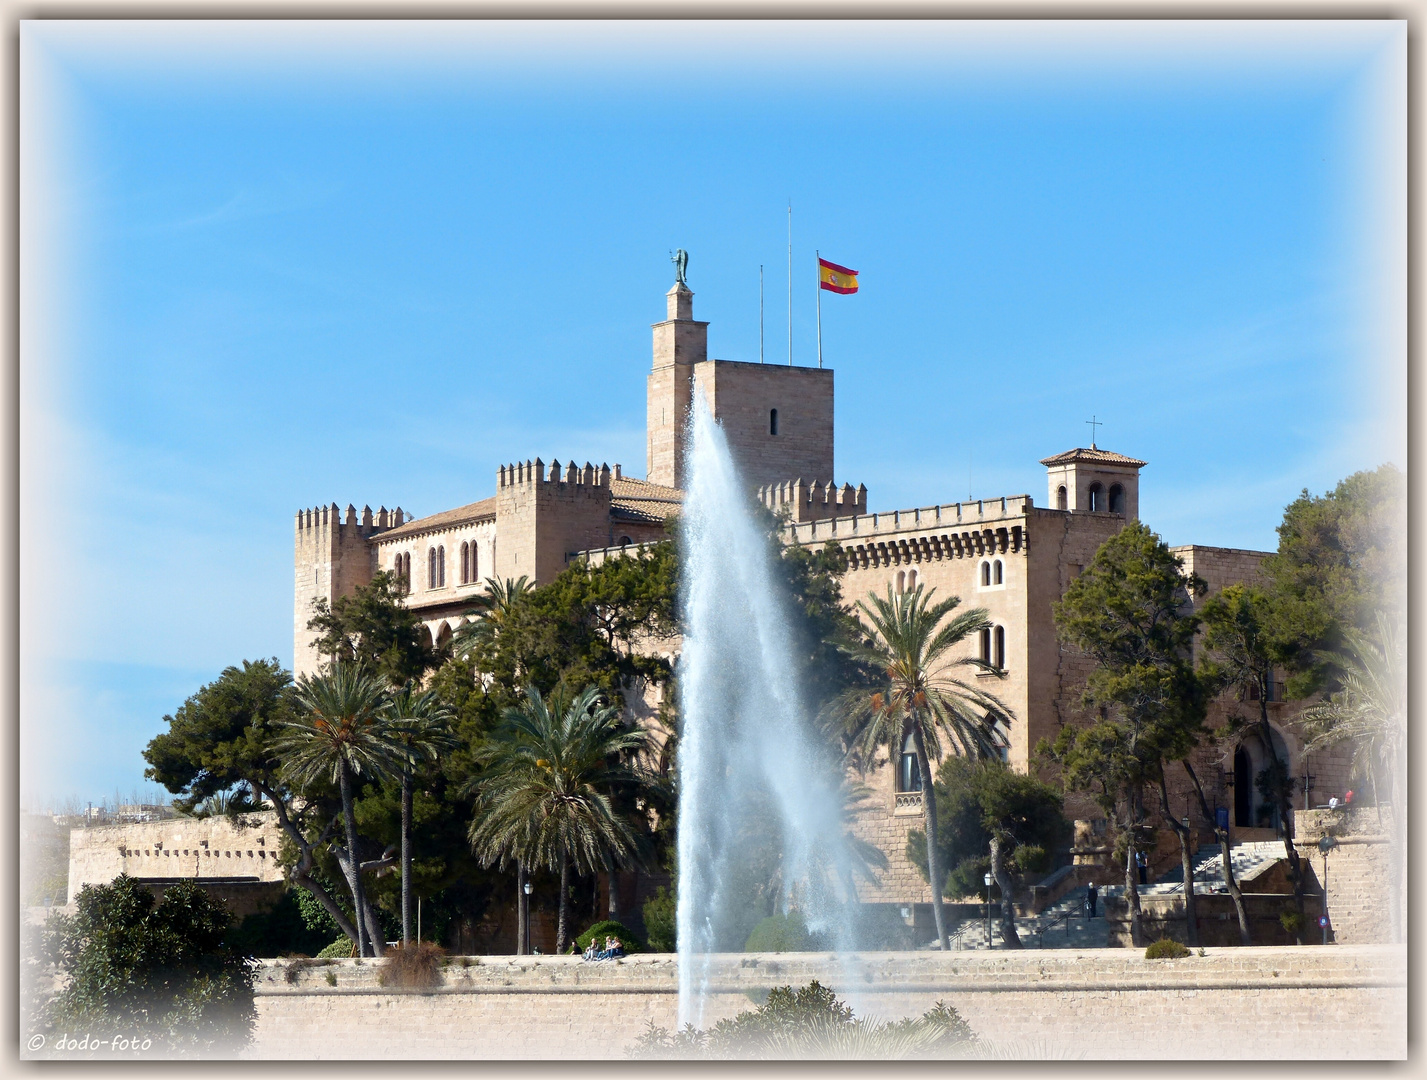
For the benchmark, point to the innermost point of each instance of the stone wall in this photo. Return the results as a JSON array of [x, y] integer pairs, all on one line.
[[1358, 870], [1256, 1003], [233, 856]]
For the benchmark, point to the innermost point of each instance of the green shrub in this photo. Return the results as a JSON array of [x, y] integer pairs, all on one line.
[[164, 969], [660, 921], [782, 933], [339, 949], [1291, 921], [811, 1023], [416, 966], [278, 931], [1166, 949], [331, 978], [610, 928]]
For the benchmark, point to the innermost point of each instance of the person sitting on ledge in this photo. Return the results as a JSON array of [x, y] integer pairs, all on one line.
[[616, 948]]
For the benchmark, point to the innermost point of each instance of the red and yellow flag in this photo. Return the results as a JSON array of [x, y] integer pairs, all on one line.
[[834, 278]]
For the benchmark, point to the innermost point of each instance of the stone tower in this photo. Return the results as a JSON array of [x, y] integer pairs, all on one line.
[[778, 420], [1094, 481]]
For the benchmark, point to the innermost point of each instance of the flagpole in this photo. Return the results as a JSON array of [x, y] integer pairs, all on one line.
[[760, 313], [790, 281], [818, 255]]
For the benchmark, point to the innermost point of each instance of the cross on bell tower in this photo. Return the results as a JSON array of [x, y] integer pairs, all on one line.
[[1093, 425]]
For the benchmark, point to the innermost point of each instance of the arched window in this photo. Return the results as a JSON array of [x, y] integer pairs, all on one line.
[[1003, 739], [998, 574], [441, 566], [911, 580], [406, 570], [909, 777], [901, 581], [999, 646], [772, 421], [1097, 498], [465, 562], [985, 573], [431, 568], [986, 645], [1117, 499], [625, 541], [1061, 499]]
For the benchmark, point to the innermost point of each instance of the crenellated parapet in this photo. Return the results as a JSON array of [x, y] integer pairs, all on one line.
[[533, 473], [814, 501], [332, 556], [320, 517]]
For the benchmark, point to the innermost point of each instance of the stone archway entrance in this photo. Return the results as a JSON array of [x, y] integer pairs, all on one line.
[[1253, 809]]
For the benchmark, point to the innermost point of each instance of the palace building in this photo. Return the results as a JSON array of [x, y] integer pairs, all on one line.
[[1009, 555]]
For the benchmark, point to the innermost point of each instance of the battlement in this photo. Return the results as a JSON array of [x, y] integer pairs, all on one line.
[[814, 502], [978, 512], [319, 517], [529, 474]]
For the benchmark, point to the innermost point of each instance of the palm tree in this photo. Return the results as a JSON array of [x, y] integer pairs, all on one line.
[[489, 613], [908, 646], [341, 736], [1369, 710], [544, 799], [420, 724]]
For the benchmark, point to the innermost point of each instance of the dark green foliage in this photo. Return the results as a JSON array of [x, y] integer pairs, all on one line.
[[811, 1022], [976, 799], [162, 971], [1340, 559], [782, 933], [372, 627], [342, 947], [219, 737], [1165, 949], [283, 930], [609, 928], [660, 920]]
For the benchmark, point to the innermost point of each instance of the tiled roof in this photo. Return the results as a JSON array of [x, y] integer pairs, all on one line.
[[476, 511], [640, 500], [1093, 456]]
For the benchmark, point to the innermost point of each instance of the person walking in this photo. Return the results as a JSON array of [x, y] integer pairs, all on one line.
[[1091, 893]]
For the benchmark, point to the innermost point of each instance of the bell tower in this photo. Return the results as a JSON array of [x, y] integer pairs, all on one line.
[[1094, 481]]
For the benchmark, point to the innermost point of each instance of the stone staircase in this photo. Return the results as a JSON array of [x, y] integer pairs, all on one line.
[[1064, 925]]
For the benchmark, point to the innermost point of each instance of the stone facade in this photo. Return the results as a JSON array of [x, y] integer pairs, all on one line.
[[1005, 555], [235, 859], [1246, 1003]]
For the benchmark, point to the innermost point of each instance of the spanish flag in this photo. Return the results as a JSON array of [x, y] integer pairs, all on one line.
[[834, 278]]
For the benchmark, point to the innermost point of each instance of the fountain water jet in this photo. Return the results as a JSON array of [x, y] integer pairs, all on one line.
[[751, 777]]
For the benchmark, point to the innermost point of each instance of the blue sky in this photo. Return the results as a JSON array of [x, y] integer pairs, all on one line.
[[266, 267]]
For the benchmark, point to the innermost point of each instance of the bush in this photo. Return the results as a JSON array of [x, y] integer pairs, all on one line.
[[278, 932], [610, 928], [660, 921], [811, 1022], [1291, 921], [340, 949], [783, 933], [1166, 949], [163, 969], [416, 966]]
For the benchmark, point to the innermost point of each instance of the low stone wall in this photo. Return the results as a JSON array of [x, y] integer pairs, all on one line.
[[1256, 1003], [1163, 916], [1359, 870]]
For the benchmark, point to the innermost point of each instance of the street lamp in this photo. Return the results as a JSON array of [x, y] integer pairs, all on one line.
[[988, 911], [1325, 845], [527, 917]]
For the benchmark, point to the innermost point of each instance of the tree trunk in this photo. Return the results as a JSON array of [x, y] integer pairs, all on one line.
[[520, 912], [564, 903], [1002, 877], [934, 871], [1186, 858], [613, 895], [354, 873], [301, 873], [375, 937], [1285, 819], [1132, 888], [1222, 835], [405, 857]]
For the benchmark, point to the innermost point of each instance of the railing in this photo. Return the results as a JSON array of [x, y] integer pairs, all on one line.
[[907, 801]]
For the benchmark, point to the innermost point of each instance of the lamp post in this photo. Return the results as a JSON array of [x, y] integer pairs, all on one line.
[[527, 917], [988, 910], [1325, 845]]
